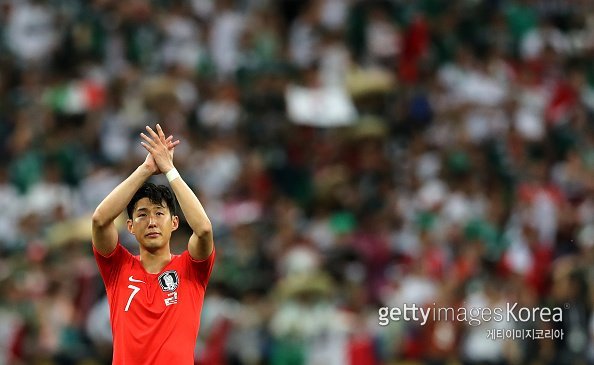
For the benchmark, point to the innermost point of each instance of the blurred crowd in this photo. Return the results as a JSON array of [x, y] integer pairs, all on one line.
[[351, 155]]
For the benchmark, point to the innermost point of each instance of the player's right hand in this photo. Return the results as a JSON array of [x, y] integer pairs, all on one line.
[[149, 162]]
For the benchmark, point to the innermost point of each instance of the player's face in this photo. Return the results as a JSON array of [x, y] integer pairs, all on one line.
[[152, 224]]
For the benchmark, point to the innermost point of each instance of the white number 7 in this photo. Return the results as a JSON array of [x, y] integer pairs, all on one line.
[[135, 290]]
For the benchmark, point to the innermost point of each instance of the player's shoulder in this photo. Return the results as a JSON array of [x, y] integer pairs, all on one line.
[[119, 254], [187, 256], [180, 259], [184, 260]]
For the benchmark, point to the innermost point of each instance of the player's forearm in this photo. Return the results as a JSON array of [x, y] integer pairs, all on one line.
[[113, 205], [192, 208]]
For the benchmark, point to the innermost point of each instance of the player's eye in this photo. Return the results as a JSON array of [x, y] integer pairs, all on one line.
[[160, 213], [141, 215]]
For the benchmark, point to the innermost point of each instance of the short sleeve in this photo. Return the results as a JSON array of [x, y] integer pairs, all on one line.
[[110, 265], [201, 269]]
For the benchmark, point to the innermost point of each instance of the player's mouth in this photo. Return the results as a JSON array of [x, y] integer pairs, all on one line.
[[152, 235]]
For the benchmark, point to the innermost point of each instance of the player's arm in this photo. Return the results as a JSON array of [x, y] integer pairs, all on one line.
[[201, 242], [104, 232]]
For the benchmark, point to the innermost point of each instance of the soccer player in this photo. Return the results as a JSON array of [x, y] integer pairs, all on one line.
[[155, 298]]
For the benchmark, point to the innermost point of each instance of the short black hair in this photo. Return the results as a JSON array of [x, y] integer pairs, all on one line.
[[157, 194]]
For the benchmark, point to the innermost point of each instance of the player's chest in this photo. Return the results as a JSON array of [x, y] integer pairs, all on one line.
[[140, 291]]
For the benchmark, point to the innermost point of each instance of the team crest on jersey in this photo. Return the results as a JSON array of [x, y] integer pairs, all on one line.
[[169, 280]]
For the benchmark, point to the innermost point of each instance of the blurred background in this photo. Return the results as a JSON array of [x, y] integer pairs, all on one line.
[[351, 155]]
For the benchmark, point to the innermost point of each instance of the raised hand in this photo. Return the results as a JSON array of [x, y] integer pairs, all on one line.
[[160, 150], [149, 161]]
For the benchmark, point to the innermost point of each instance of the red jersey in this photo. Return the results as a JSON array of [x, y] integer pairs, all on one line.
[[154, 317]]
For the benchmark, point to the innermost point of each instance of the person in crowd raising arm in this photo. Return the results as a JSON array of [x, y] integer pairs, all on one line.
[[155, 298]]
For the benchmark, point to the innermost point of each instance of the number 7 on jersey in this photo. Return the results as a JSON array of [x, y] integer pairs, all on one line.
[[135, 290]]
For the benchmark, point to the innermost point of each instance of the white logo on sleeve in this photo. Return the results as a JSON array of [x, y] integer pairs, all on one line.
[[169, 280], [131, 278]]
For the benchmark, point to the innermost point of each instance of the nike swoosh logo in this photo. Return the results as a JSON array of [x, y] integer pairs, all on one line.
[[134, 280]]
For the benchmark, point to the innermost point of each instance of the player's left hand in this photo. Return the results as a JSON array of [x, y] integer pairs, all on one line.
[[160, 148]]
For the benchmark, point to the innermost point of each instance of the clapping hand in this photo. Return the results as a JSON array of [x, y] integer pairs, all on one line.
[[160, 150]]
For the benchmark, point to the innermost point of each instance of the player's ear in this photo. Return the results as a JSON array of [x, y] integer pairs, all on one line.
[[174, 222], [130, 226]]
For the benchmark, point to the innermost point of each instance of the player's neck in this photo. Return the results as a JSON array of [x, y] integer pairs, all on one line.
[[154, 262]]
